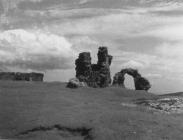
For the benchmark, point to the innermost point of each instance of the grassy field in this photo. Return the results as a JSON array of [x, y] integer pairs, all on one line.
[[49, 111]]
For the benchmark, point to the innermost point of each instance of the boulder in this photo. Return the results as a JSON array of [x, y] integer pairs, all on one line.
[[75, 83]]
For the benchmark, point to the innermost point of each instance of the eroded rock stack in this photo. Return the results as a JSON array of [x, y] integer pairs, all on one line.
[[83, 66], [95, 75], [104, 62], [140, 82]]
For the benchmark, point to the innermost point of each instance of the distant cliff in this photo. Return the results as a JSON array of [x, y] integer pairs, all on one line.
[[17, 76]]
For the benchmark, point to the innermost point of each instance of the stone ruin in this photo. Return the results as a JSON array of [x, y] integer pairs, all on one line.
[[94, 75], [17, 76], [140, 82]]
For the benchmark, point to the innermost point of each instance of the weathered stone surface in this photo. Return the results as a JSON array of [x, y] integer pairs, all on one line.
[[104, 62], [75, 83], [103, 59], [83, 66], [119, 79], [95, 75], [141, 83], [21, 76]]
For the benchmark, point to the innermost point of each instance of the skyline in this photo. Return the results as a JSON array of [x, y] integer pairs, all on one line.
[[48, 35]]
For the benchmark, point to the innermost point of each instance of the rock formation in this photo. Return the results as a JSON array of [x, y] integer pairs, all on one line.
[[141, 83], [118, 79], [83, 66], [95, 75], [21, 76], [104, 62]]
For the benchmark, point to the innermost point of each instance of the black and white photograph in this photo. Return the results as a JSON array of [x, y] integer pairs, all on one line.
[[91, 69]]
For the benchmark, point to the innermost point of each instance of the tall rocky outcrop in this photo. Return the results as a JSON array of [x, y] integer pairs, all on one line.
[[95, 75], [83, 66], [104, 62], [140, 82]]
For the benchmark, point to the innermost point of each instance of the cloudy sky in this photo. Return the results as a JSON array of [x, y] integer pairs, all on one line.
[[47, 35]]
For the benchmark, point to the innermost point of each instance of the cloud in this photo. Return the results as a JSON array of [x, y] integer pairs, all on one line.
[[133, 64], [7, 5], [35, 0], [170, 50], [153, 75], [141, 60], [117, 24], [170, 57], [36, 50], [83, 1], [170, 32]]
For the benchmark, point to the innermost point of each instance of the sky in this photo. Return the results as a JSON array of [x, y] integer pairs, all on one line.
[[47, 36]]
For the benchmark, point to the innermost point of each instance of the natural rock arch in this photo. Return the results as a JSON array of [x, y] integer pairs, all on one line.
[[140, 82]]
